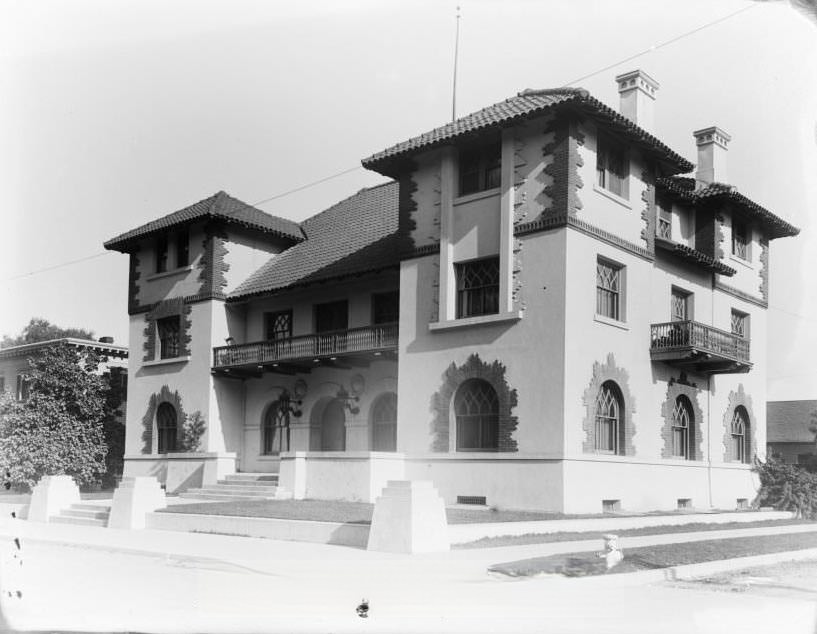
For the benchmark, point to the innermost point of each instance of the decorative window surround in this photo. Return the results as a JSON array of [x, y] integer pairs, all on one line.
[[602, 372], [615, 198], [165, 395], [514, 315], [675, 388], [148, 364], [737, 398], [178, 271]]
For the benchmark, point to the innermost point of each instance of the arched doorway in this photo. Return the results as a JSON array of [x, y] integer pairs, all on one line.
[[333, 427], [167, 426], [384, 422]]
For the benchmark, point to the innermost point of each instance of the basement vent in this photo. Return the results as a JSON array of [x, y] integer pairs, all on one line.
[[684, 503], [742, 504], [471, 499], [610, 506]]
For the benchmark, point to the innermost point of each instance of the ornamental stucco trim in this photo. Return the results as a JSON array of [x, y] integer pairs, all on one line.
[[764, 269], [453, 377], [406, 206], [168, 308], [737, 398], [165, 395], [602, 372], [649, 212], [719, 237], [213, 262], [676, 388], [133, 286]]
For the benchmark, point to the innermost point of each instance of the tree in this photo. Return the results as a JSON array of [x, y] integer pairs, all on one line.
[[60, 428], [39, 329]]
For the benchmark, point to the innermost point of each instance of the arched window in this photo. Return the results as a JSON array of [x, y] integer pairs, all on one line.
[[275, 430], [166, 424], [477, 409], [740, 435], [384, 422], [683, 432], [609, 419]]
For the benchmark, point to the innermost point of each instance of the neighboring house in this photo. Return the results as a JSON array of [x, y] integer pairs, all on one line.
[[14, 361], [539, 312], [788, 434]]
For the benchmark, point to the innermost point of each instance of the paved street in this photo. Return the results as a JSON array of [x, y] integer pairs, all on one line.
[[220, 584]]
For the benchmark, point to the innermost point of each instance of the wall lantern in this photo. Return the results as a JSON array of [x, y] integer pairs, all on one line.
[[357, 385]]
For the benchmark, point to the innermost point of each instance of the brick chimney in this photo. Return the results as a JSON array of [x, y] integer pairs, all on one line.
[[637, 90], [712, 145]]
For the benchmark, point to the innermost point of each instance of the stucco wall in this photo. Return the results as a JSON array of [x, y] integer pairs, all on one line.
[[748, 276], [176, 282], [476, 226], [246, 252]]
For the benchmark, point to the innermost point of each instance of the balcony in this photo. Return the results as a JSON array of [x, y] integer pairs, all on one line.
[[699, 348], [355, 347]]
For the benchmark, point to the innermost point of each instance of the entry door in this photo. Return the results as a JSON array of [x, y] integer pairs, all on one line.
[[333, 428]]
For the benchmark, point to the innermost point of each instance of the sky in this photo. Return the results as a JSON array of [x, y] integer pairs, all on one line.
[[115, 113]]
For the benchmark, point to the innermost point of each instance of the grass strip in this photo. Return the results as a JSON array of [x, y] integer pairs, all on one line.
[[570, 536], [659, 556]]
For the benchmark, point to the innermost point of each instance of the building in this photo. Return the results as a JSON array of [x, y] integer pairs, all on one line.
[[14, 361], [791, 432], [544, 309]]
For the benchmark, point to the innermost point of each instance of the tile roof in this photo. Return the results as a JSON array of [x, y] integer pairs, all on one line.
[[695, 257], [108, 349], [219, 205], [788, 421], [683, 187], [354, 236], [527, 104]]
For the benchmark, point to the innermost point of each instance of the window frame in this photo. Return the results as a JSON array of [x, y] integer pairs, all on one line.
[[269, 319], [677, 293], [743, 330], [618, 305], [182, 243], [663, 225], [485, 167], [381, 426], [169, 349], [740, 439], [609, 177], [276, 424], [611, 425], [379, 300], [487, 422], [162, 254], [476, 300], [683, 429], [165, 433], [741, 239]]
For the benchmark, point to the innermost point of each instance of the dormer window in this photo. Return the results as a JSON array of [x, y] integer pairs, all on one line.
[[612, 167], [182, 249], [480, 168], [161, 255]]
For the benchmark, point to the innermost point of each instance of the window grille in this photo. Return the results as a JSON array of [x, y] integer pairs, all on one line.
[[739, 429], [612, 168], [477, 410], [480, 168], [166, 424], [680, 306], [276, 428], [608, 419], [478, 288], [279, 325], [664, 229], [682, 420], [608, 290], [169, 339], [740, 240], [739, 323], [384, 423]]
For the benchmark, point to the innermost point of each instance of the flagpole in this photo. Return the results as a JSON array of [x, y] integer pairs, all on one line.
[[456, 56]]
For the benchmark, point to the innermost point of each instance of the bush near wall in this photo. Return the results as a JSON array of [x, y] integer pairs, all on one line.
[[787, 488]]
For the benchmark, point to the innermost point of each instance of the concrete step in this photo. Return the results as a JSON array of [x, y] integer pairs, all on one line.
[[91, 507], [89, 514], [80, 521], [249, 483], [225, 497], [253, 477], [253, 491]]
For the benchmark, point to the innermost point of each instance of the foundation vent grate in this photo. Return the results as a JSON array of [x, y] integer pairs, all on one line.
[[471, 499]]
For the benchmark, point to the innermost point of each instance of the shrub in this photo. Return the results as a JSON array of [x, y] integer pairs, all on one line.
[[192, 431], [786, 488]]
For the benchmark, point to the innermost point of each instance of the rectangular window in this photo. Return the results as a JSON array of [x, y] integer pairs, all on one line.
[[664, 228], [386, 308], [169, 339], [740, 239], [161, 255], [182, 249], [332, 316], [740, 324], [278, 326], [609, 289], [612, 167], [477, 287], [22, 388], [681, 305], [480, 168]]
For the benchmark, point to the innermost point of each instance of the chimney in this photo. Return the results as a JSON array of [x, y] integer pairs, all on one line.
[[637, 90], [712, 145], [106, 340]]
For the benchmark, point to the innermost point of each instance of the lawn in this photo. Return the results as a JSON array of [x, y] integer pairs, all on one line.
[[660, 556]]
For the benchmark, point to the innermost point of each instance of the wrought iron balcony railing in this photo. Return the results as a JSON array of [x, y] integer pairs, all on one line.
[[689, 342], [382, 337]]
